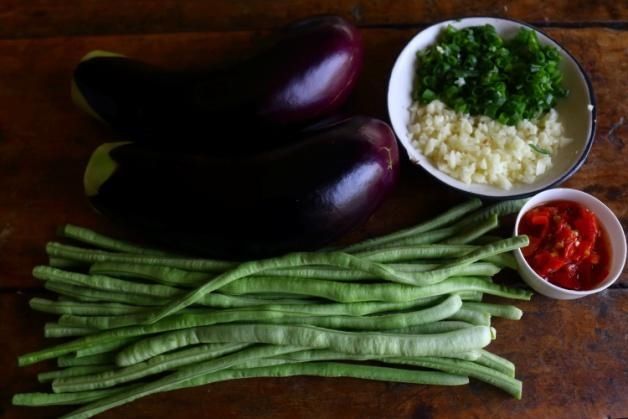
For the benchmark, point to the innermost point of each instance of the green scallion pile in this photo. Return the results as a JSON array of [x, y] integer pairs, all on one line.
[[147, 321], [474, 71]]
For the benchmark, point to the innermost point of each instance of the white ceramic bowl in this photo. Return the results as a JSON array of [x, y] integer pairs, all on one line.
[[575, 113], [610, 224]]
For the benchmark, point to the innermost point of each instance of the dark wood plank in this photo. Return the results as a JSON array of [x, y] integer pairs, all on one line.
[[45, 143], [44, 18], [571, 356]]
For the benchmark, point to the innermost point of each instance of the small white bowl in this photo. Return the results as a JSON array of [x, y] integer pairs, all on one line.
[[577, 111], [610, 224]]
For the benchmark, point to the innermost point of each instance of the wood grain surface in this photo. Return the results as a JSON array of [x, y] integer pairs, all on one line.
[[571, 356], [44, 18]]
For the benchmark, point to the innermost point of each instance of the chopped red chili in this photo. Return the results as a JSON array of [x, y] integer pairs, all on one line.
[[568, 247]]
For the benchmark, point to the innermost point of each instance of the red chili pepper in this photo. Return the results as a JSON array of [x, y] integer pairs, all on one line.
[[540, 219], [567, 277], [567, 246]]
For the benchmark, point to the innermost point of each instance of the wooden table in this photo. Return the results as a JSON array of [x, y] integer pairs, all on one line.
[[571, 356]]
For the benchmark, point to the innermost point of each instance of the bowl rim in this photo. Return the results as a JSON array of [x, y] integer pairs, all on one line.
[[566, 291], [588, 144]]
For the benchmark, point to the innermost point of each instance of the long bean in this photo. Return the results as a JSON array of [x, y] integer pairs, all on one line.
[[107, 337], [415, 252], [96, 359], [350, 309], [478, 268], [474, 231], [329, 309], [187, 279], [333, 259], [460, 266], [499, 208], [337, 259], [321, 369], [155, 365], [102, 288], [91, 237], [44, 377], [133, 251], [85, 309], [394, 299], [257, 363], [131, 292], [327, 369], [276, 316], [91, 294], [54, 330], [69, 292], [351, 293], [166, 275], [385, 344], [209, 265], [435, 327], [152, 346], [471, 316], [453, 268], [498, 310], [475, 296], [101, 241], [175, 276], [427, 237], [103, 348], [496, 362], [474, 269], [102, 282], [315, 355], [181, 376], [89, 256], [505, 260], [449, 216], [468, 368], [48, 399], [375, 322]]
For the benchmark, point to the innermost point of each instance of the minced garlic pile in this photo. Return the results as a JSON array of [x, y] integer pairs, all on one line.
[[477, 149]]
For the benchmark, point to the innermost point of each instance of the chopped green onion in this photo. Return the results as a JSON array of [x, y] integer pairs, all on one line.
[[473, 70], [539, 149]]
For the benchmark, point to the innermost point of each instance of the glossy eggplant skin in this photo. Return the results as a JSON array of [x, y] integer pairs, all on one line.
[[294, 198], [305, 75]]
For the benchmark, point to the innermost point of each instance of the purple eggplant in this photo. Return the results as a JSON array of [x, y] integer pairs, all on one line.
[[292, 198], [305, 75]]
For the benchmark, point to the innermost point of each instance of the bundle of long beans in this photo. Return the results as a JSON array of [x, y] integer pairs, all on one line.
[[409, 303]]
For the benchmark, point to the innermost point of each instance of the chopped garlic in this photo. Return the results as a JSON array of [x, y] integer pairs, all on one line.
[[480, 150]]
